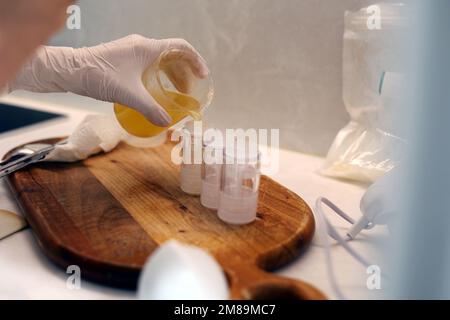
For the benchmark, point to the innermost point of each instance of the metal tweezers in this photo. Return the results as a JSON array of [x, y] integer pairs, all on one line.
[[26, 155]]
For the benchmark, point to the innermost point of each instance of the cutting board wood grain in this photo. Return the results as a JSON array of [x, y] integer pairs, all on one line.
[[108, 213]]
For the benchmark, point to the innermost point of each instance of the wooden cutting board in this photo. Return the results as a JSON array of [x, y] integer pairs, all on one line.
[[108, 213]]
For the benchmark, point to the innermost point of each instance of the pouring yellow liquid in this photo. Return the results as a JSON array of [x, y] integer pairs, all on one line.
[[177, 105]]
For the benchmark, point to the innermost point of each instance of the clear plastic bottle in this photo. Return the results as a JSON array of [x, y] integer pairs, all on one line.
[[240, 185], [191, 166], [211, 174]]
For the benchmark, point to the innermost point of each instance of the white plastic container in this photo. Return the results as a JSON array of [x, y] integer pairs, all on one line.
[[240, 185], [191, 167], [211, 174]]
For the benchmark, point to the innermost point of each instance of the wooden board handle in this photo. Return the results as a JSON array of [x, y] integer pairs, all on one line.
[[251, 283]]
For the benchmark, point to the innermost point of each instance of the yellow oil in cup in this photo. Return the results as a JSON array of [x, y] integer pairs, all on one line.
[[173, 83]]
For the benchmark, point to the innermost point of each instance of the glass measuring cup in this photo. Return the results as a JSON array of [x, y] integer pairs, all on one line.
[[173, 83]]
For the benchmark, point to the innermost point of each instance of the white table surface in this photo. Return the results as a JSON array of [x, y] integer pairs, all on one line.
[[25, 273]]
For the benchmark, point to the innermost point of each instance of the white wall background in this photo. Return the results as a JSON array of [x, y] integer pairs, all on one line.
[[275, 63]]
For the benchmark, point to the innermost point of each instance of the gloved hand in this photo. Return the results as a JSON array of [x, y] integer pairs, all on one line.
[[110, 72]]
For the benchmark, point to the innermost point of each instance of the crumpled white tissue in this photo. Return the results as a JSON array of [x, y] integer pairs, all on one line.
[[96, 133]]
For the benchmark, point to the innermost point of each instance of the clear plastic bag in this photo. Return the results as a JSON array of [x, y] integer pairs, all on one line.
[[369, 145]]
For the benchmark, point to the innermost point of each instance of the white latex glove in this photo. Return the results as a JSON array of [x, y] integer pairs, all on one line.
[[110, 72]]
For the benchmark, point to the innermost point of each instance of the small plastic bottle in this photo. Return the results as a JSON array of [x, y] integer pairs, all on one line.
[[211, 174], [240, 186], [191, 166]]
